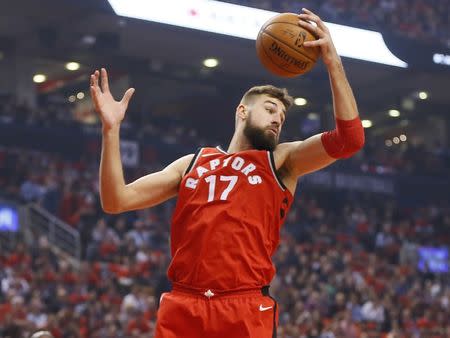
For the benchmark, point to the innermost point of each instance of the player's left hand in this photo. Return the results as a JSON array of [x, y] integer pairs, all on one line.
[[324, 41]]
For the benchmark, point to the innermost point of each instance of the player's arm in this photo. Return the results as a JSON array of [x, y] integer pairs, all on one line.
[[347, 138], [145, 192], [115, 195]]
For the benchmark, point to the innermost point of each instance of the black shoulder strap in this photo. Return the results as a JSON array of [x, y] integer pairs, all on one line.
[[194, 159]]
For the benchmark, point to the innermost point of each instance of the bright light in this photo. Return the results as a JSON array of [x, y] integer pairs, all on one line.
[[423, 95], [388, 143], [72, 98], [245, 22], [367, 123], [403, 138], [313, 116], [72, 66], [394, 113], [211, 63], [396, 140], [441, 59], [80, 96], [88, 40], [39, 78], [300, 101]]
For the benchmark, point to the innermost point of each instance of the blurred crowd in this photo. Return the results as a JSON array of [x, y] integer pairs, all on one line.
[[407, 158], [347, 267], [347, 263], [417, 19]]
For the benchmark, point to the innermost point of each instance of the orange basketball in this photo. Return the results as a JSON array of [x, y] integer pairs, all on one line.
[[280, 46]]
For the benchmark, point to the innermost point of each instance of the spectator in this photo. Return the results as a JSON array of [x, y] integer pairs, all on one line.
[[373, 310], [36, 316]]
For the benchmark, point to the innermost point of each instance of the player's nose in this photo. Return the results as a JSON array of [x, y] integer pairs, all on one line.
[[276, 120]]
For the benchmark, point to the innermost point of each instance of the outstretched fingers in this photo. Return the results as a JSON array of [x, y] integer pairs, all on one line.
[[127, 96], [94, 78], [95, 89], [95, 97], [104, 78]]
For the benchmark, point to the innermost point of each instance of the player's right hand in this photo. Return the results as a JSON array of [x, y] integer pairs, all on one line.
[[111, 112]]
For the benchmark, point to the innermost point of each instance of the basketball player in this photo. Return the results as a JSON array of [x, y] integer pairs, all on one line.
[[231, 203]]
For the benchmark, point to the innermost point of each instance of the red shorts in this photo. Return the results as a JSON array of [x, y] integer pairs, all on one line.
[[189, 314]]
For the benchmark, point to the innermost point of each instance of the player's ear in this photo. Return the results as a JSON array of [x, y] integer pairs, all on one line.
[[241, 112]]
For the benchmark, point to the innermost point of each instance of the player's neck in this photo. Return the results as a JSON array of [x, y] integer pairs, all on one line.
[[239, 143]]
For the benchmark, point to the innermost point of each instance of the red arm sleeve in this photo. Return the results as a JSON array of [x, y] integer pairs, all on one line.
[[346, 140]]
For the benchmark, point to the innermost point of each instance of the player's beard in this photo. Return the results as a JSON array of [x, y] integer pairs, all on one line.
[[260, 139]]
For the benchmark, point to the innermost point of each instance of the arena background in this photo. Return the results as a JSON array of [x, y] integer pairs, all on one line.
[[364, 251]]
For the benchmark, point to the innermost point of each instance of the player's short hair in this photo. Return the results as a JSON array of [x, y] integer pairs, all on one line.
[[272, 91]]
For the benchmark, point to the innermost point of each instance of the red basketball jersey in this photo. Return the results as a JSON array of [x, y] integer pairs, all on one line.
[[226, 224]]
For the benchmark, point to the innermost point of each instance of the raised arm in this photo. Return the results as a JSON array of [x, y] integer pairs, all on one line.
[[115, 195], [318, 151]]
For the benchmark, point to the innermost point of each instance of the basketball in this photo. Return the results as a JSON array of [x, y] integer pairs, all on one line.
[[280, 46]]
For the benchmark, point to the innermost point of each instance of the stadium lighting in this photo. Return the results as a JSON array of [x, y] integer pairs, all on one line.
[[403, 138], [441, 59], [423, 95], [80, 96], [300, 101], [367, 123], [39, 78], [71, 98], [313, 116], [245, 22], [211, 63], [396, 140], [72, 66], [394, 113], [388, 143], [88, 40]]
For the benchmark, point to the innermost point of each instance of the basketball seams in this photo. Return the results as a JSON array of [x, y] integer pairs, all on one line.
[[284, 43]]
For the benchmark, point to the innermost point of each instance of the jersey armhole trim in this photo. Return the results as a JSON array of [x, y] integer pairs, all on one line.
[[193, 161], [219, 148], [274, 172]]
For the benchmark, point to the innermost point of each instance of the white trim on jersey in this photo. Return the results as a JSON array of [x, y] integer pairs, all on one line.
[[274, 172], [219, 148]]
